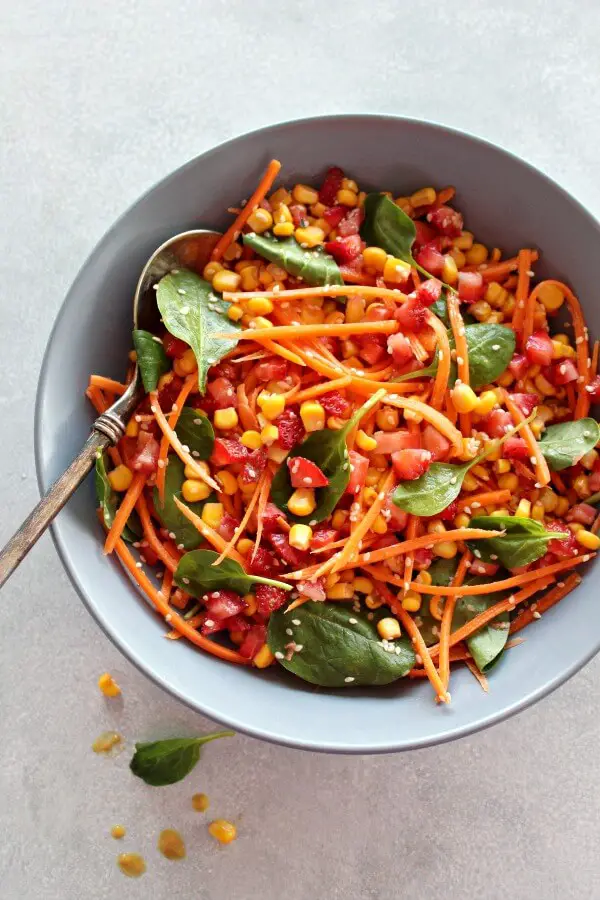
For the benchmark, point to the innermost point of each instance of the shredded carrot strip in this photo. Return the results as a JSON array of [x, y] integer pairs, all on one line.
[[388, 326], [445, 195], [176, 444], [263, 499], [107, 384], [171, 562], [323, 388], [542, 471], [167, 584], [326, 290], [278, 349], [447, 616], [480, 677], [498, 271], [435, 418], [462, 352], [234, 230], [485, 498], [460, 653], [164, 443], [524, 308], [364, 525], [212, 536], [526, 616], [226, 551], [440, 385], [124, 511]]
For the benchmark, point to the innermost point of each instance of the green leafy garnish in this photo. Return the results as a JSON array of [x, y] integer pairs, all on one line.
[[340, 647], [563, 445], [151, 358], [314, 266], [170, 517], [165, 762], [328, 450], [197, 574], [524, 541], [192, 312], [109, 503], [195, 431], [387, 226], [595, 498]]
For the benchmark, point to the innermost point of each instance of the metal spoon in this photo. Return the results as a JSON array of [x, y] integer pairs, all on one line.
[[108, 428]]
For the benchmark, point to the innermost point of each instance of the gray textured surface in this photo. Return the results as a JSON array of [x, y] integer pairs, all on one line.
[[97, 104]]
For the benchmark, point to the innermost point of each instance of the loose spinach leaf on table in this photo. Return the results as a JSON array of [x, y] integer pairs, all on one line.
[[159, 763], [170, 517], [192, 312], [194, 429], [328, 450], [524, 541], [151, 358], [197, 574], [314, 266], [340, 647], [563, 445], [108, 502]]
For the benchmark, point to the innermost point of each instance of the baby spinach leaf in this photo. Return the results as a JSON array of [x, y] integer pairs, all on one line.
[[192, 312], [524, 540], [595, 498], [170, 517], [197, 574], [196, 432], [486, 645], [314, 266], [340, 647], [563, 445], [109, 503], [165, 762], [151, 358], [387, 226], [328, 450]]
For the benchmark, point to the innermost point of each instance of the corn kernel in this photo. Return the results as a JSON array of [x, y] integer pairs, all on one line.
[[508, 482], [233, 252], [225, 419], [343, 590], [588, 539], [436, 526], [280, 197], [551, 297], [251, 439], [574, 527], [464, 398], [348, 184], [523, 509], [312, 415], [562, 505], [424, 577], [261, 322], [245, 546], [263, 658], [226, 281], [405, 205], [412, 601], [373, 476], [395, 270], [548, 499], [470, 483], [276, 453], [300, 536], [389, 628], [362, 585], [563, 338], [500, 512], [133, 428], [311, 236], [481, 310], [260, 220], [339, 518], [223, 831], [355, 309], [425, 197], [272, 405], [193, 490], [502, 466], [477, 255], [212, 513], [581, 486], [283, 229], [495, 294], [235, 312], [538, 511], [445, 549], [387, 418], [505, 379], [346, 197], [302, 502], [481, 472], [589, 460], [303, 193], [200, 802], [228, 482], [120, 478], [211, 269], [464, 241], [260, 306], [543, 386], [108, 685], [462, 520], [374, 258], [364, 441], [450, 270], [379, 526], [187, 363], [459, 258], [562, 351]]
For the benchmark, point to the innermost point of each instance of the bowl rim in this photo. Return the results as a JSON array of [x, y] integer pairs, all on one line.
[[447, 732]]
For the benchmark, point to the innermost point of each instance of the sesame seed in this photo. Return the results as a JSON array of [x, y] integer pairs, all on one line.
[[352, 621], [532, 460], [161, 463], [181, 291], [348, 679], [295, 621], [180, 547], [537, 615], [289, 631], [138, 565]]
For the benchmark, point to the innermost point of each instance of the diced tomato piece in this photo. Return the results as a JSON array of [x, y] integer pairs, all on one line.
[[227, 526], [392, 441], [222, 604], [144, 459], [519, 365], [344, 250], [305, 474], [583, 513], [359, 466], [397, 519], [425, 233], [268, 599], [254, 640], [448, 221], [225, 369], [563, 371], [436, 443], [238, 623], [227, 451], [174, 348], [412, 315], [525, 402], [291, 429], [169, 393], [372, 348], [223, 393], [315, 590], [271, 369], [296, 558], [265, 563], [271, 518], [450, 513], [333, 215], [331, 185], [429, 291], [594, 481], [399, 347], [515, 448], [423, 558], [479, 567], [351, 223], [430, 258], [470, 286], [334, 403], [299, 215], [563, 548], [538, 348], [593, 389], [254, 466], [496, 423], [411, 464], [322, 536]]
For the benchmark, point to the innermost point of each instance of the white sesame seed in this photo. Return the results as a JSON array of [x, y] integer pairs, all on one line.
[[348, 679], [295, 621], [352, 621]]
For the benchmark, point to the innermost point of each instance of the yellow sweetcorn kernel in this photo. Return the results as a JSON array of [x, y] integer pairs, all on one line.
[[589, 460], [269, 434], [523, 509], [543, 386], [395, 270], [228, 482], [574, 527], [374, 258], [436, 526], [481, 310], [379, 526], [226, 281], [303, 193], [464, 398], [120, 478], [481, 472], [362, 585], [133, 428], [280, 197], [387, 418], [470, 483], [389, 628], [501, 512], [495, 294], [338, 519], [300, 536], [508, 307], [251, 439], [225, 419], [187, 364], [548, 499], [191, 471], [211, 269], [223, 831], [260, 322], [346, 198], [276, 453], [502, 466], [212, 513], [318, 209], [263, 658], [271, 405], [194, 490], [302, 502], [506, 379], [283, 229], [450, 270], [200, 802], [260, 306], [235, 312], [355, 309], [508, 482], [311, 236], [581, 486], [424, 197], [588, 539], [464, 241], [364, 441], [335, 423], [477, 255], [459, 258], [108, 685], [233, 252], [343, 590], [282, 215], [412, 601], [312, 415], [311, 314], [424, 577], [538, 511], [462, 520], [260, 220], [445, 549], [244, 546], [249, 599], [348, 184], [551, 297], [562, 351]]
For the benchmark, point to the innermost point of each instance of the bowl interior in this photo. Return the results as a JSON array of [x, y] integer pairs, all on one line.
[[507, 204]]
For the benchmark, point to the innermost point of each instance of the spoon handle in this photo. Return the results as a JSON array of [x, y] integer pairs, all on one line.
[[51, 503]]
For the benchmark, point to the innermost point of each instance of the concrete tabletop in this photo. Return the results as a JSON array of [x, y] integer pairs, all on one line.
[[99, 100]]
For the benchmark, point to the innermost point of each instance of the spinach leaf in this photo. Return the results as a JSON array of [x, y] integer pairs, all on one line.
[[151, 358], [328, 450], [197, 574], [314, 266], [192, 312], [340, 647], [170, 517], [165, 762], [196, 432], [524, 541], [109, 503], [563, 445], [387, 226], [486, 645], [595, 498]]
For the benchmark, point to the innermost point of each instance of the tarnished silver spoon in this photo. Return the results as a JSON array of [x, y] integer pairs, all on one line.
[[108, 428]]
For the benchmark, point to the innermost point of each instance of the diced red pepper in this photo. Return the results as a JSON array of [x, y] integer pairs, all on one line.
[[333, 215], [169, 393], [359, 466], [448, 221], [271, 369], [222, 604], [538, 348], [174, 348], [412, 315], [423, 558], [226, 527], [334, 403], [594, 481], [377, 312], [479, 567], [291, 429], [227, 451], [265, 563], [436, 443], [315, 590], [144, 458], [399, 347], [450, 513], [225, 369], [563, 548], [293, 557], [430, 258], [397, 519], [519, 365], [372, 348], [269, 598], [515, 448], [304, 473], [411, 464], [583, 513], [331, 185], [470, 286], [563, 371], [525, 402], [271, 518], [351, 223], [299, 215], [429, 291], [322, 536], [223, 393], [254, 466], [496, 423], [344, 250], [392, 441], [425, 233], [253, 641]]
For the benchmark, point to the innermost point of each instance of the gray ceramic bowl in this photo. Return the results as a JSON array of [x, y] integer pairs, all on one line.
[[507, 203]]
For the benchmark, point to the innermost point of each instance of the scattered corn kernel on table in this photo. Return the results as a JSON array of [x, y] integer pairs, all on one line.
[[481, 817]]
